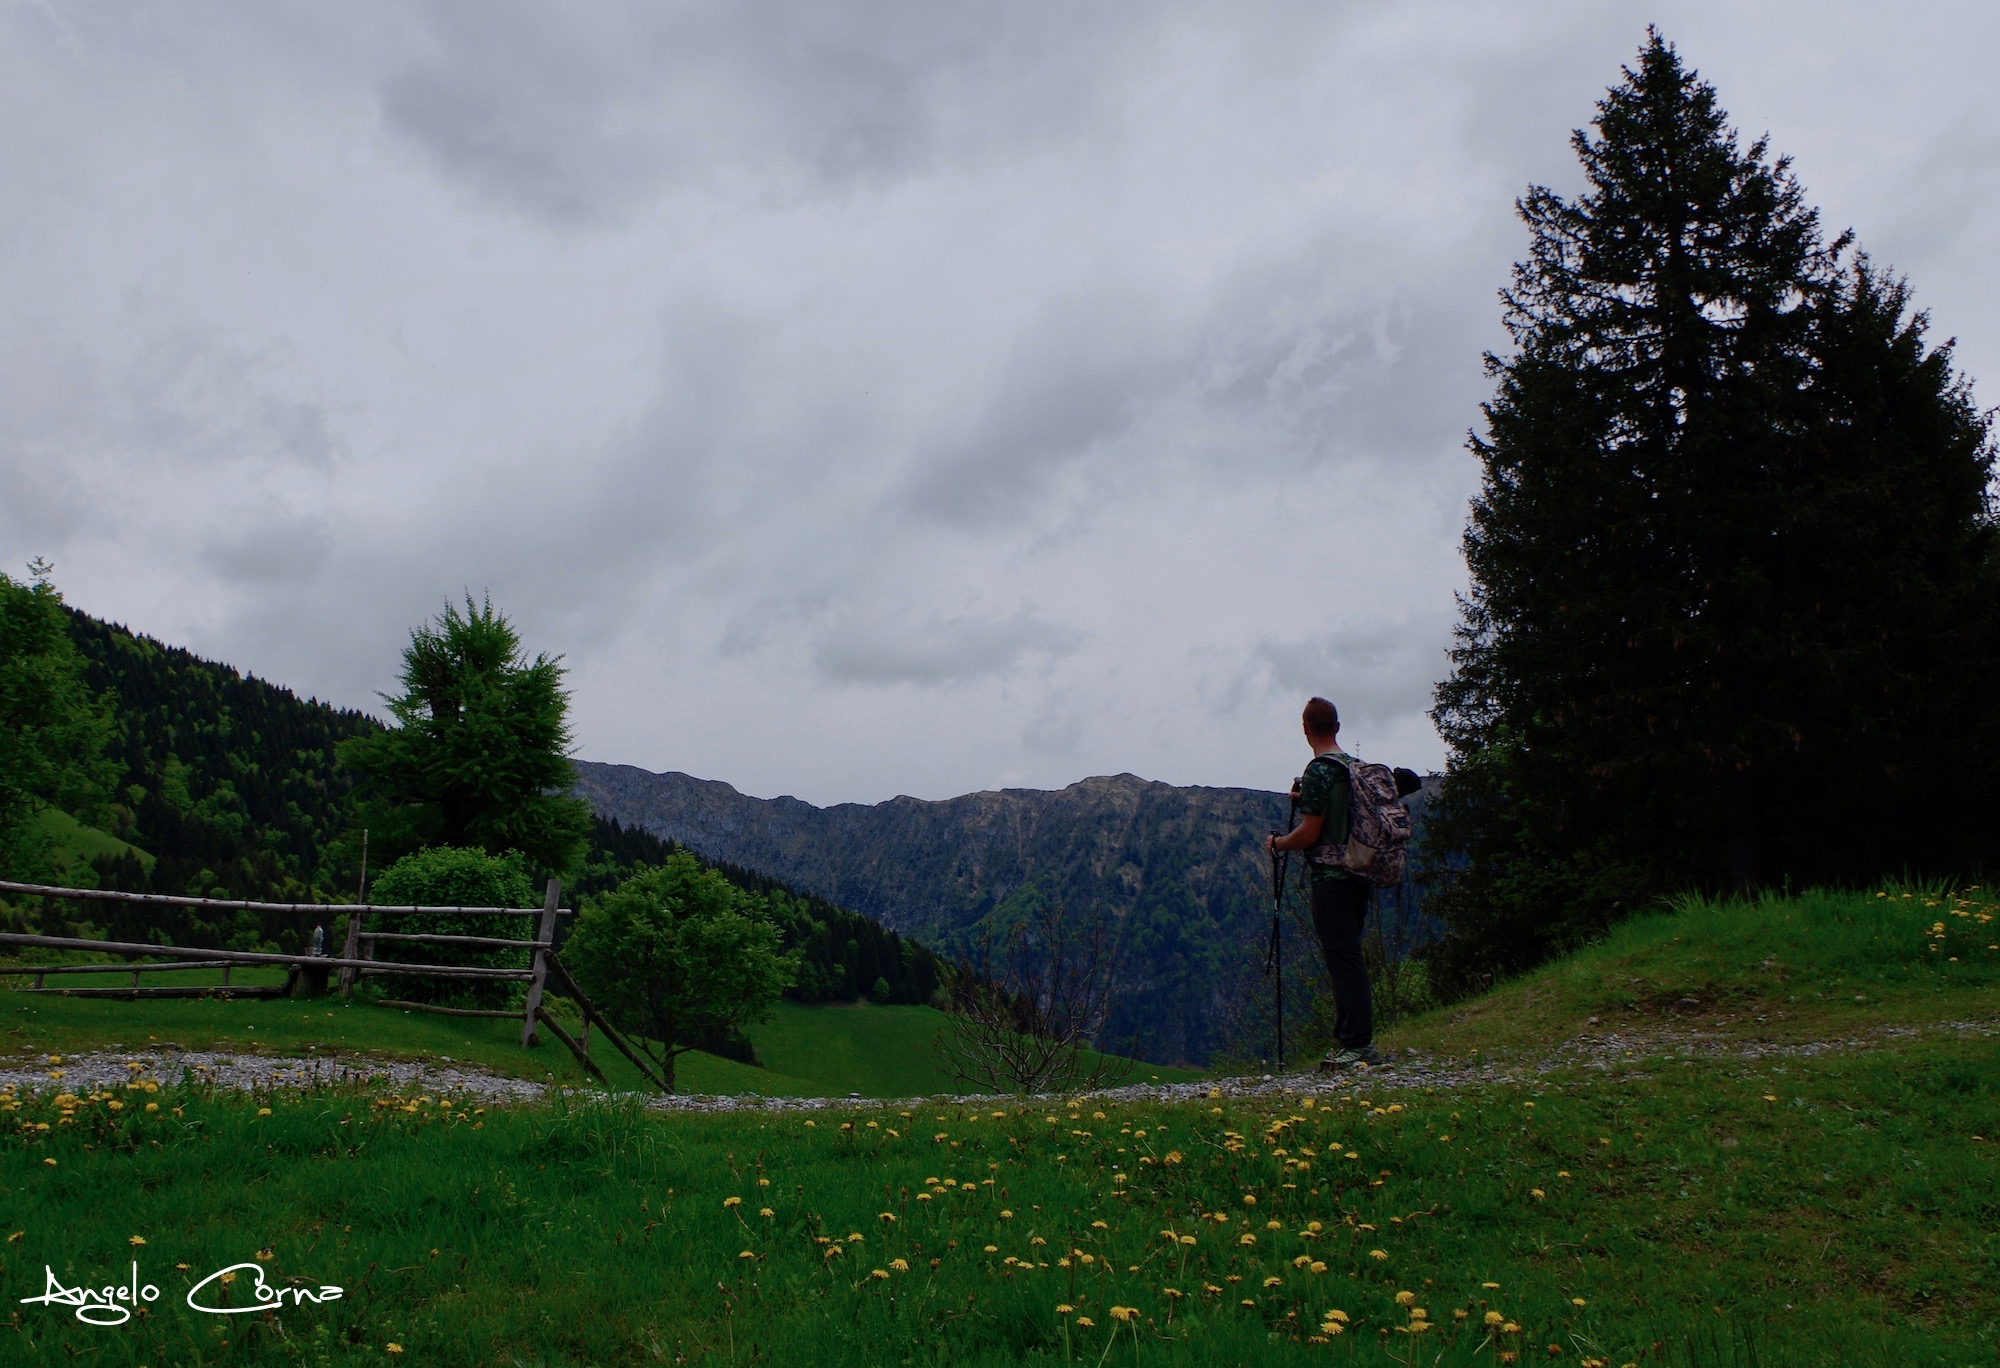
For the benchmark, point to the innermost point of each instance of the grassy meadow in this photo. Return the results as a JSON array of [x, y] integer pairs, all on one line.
[[1685, 1203]]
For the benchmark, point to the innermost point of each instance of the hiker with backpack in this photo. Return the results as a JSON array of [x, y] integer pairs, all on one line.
[[1356, 832]]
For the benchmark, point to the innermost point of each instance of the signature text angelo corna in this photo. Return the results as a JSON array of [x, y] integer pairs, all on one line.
[[113, 1304]]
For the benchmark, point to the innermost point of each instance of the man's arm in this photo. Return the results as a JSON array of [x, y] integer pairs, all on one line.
[[1304, 836]]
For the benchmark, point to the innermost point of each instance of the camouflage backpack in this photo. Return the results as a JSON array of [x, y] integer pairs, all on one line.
[[1378, 827]]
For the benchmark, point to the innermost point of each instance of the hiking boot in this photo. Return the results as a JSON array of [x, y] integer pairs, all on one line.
[[1347, 1058]]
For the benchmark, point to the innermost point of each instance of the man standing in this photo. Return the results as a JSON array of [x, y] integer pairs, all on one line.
[[1339, 899]]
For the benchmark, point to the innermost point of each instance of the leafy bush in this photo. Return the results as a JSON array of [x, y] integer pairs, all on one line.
[[454, 876]]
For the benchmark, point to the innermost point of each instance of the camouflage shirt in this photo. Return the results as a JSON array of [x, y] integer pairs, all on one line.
[[1325, 790]]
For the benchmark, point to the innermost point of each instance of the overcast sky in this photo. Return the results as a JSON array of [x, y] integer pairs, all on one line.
[[864, 398]]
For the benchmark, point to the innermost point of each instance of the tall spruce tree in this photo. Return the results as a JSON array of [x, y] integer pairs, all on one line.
[[479, 755], [1732, 562]]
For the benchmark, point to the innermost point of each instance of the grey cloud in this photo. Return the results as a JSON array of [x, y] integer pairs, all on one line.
[[1073, 383], [515, 142], [576, 114], [1055, 731], [875, 649], [1375, 673], [280, 550]]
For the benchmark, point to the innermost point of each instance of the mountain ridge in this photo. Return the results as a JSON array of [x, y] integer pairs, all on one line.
[[1179, 870]]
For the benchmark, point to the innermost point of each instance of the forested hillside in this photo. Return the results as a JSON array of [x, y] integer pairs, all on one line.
[[229, 782]]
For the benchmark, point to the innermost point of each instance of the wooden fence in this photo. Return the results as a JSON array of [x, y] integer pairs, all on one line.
[[310, 972]]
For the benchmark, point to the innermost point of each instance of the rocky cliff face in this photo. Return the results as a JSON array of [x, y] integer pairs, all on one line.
[[1181, 871]]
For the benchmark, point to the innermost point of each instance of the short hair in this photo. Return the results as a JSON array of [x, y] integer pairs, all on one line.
[[1322, 718]]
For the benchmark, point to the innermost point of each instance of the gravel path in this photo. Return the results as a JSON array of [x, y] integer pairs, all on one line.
[[1409, 1069]]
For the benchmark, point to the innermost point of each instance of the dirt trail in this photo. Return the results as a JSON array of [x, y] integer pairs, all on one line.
[[1408, 1070]]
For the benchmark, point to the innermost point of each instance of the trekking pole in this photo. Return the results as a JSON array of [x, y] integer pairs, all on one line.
[[1274, 955]]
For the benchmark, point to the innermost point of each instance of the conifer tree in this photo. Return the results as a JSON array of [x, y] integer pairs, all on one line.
[[1731, 560], [479, 755]]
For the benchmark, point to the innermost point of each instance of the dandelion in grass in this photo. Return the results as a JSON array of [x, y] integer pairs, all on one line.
[[728, 1202], [1406, 1299], [136, 1240], [1086, 1322], [747, 1254], [1378, 1254], [766, 1212]]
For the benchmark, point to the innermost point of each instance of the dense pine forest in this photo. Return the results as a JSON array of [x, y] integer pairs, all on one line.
[[229, 789]]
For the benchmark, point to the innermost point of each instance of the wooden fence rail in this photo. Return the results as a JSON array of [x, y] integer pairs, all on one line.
[[234, 905], [356, 959]]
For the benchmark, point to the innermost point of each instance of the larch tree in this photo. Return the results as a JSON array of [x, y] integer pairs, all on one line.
[[479, 753]]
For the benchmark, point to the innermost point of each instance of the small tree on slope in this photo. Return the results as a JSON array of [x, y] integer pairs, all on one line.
[[676, 953], [1733, 562]]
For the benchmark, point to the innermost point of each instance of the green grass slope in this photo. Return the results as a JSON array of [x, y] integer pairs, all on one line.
[[821, 1051], [1821, 1187], [73, 845], [1779, 970]]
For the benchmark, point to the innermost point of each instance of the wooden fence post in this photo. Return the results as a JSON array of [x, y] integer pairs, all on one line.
[[545, 934], [349, 951]]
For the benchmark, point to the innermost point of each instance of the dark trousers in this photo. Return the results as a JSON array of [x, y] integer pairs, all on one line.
[[1340, 909]]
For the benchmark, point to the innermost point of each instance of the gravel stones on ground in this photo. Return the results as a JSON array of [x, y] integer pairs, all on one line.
[[1406, 1070]]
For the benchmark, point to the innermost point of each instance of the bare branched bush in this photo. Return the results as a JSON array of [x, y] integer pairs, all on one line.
[[1026, 1007]]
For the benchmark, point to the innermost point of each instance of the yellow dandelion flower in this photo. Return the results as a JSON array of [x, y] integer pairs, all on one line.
[[1124, 1313], [1406, 1298], [1537, 1193], [1246, 1238], [881, 1273], [992, 1249], [1378, 1254], [394, 1347], [1316, 1266], [766, 1211], [1249, 1199], [263, 1111], [900, 1265], [889, 1216], [747, 1254], [728, 1202], [832, 1250], [1494, 1318], [1086, 1322], [1578, 1301]]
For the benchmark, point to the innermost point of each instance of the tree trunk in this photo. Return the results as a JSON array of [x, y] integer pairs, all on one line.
[[1740, 833]]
